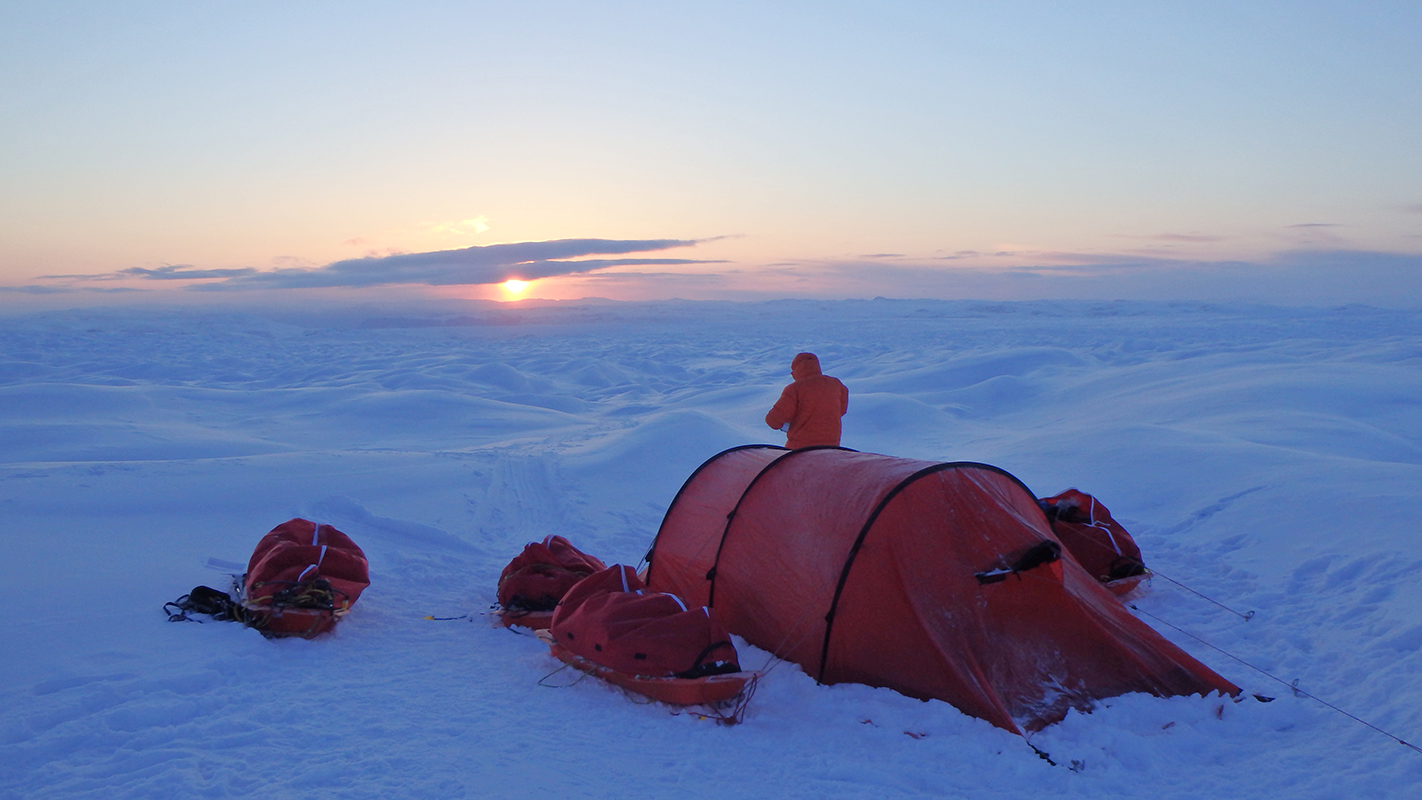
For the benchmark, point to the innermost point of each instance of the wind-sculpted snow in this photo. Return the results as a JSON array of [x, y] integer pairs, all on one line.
[[1268, 458]]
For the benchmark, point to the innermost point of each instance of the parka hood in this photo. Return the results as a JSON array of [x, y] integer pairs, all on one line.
[[805, 365]]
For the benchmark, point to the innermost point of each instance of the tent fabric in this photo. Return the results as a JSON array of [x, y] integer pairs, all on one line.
[[292, 559], [538, 577], [865, 568], [1096, 540], [610, 618]]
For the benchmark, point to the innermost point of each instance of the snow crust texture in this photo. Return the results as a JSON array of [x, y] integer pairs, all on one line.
[[1268, 458]]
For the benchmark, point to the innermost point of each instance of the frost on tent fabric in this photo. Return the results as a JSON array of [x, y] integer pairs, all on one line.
[[536, 579], [937, 580]]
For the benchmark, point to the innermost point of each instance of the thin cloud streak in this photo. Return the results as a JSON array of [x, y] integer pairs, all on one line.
[[486, 264], [37, 289], [1185, 237], [482, 264], [34, 289], [1195, 238], [967, 254], [184, 272]]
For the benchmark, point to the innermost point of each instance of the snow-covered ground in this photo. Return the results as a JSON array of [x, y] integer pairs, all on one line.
[[1269, 458]]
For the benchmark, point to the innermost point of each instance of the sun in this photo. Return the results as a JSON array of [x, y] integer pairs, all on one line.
[[514, 286]]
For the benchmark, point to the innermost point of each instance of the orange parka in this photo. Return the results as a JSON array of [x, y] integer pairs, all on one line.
[[812, 405]]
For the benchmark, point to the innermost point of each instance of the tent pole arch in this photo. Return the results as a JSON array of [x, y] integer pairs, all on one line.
[[869, 523], [651, 551], [731, 516]]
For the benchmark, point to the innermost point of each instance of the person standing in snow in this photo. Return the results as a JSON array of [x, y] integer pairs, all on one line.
[[809, 409]]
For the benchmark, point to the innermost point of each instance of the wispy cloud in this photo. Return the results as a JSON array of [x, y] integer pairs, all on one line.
[[1315, 225], [169, 272], [484, 264], [42, 289], [1184, 237], [959, 255], [1172, 237], [184, 272], [659, 279], [34, 289]]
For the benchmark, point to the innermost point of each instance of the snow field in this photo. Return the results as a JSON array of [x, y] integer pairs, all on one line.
[[1266, 457]]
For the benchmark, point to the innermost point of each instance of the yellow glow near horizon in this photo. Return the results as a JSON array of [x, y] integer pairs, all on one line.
[[514, 286]]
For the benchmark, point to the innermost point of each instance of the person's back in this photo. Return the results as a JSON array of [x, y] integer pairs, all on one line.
[[810, 408]]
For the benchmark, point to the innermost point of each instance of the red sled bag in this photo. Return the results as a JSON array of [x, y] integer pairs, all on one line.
[[533, 583], [612, 620], [303, 577], [1095, 540]]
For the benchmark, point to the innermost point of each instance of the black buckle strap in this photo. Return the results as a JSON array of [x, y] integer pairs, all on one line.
[[1039, 554]]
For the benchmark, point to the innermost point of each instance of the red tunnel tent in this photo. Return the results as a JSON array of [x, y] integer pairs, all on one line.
[[936, 580]]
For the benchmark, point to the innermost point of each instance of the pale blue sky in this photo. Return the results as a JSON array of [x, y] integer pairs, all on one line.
[[811, 149]]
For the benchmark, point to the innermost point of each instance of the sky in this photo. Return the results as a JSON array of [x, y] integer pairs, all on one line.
[[1260, 151]]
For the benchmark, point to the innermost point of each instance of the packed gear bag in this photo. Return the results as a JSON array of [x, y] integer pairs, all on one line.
[[1092, 537], [302, 578], [538, 577], [612, 619]]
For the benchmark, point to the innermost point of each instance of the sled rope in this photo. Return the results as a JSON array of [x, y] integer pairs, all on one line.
[[1246, 616], [579, 679], [775, 660], [737, 712], [1153, 572], [1293, 686]]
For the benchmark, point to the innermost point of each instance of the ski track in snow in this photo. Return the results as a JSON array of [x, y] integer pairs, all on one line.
[[1268, 458]]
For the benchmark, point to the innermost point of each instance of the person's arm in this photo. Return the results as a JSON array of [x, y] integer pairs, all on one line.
[[784, 409]]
